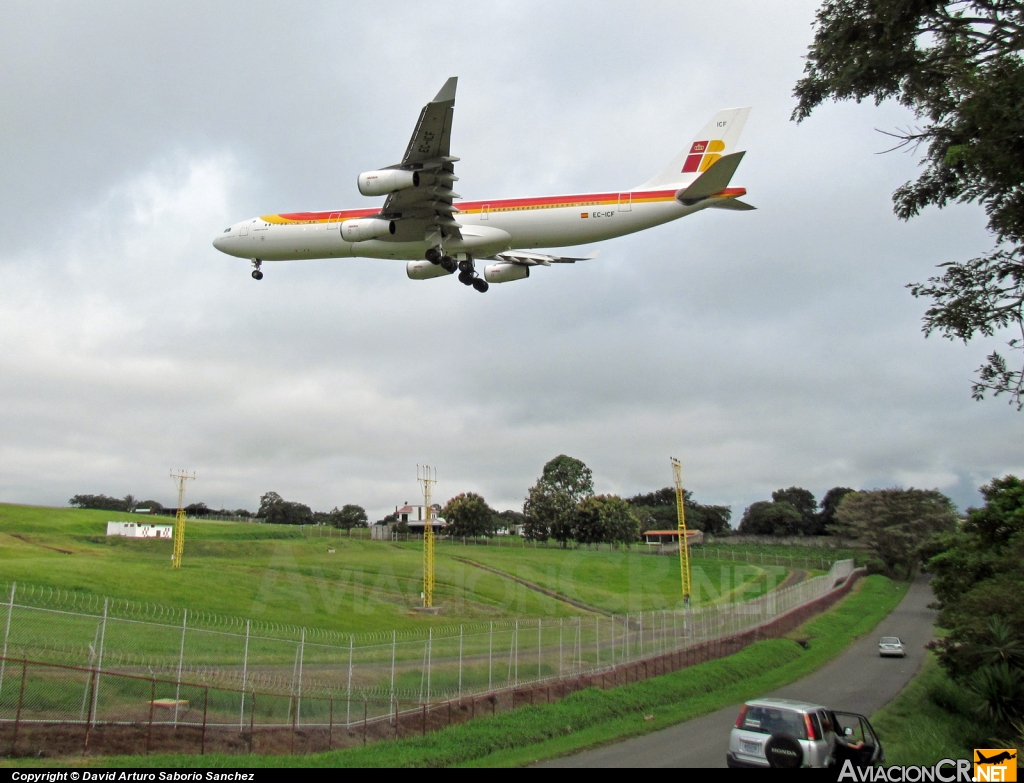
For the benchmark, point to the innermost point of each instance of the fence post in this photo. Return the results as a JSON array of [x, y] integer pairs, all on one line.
[[330, 725], [206, 701], [490, 656], [460, 663], [7, 634], [88, 720], [364, 720], [181, 659], [21, 699], [540, 630], [99, 661], [149, 729], [597, 642], [298, 703], [348, 692], [245, 674], [252, 720], [394, 644], [430, 651], [515, 644], [559, 646]]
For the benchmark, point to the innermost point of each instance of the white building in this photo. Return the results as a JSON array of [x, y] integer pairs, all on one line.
[[138, 530]]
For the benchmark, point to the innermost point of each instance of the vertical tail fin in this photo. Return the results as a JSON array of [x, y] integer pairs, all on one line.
[[719, 137]]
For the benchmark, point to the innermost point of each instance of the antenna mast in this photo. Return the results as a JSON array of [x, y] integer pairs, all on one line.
[[180, 477], [684, 546], [427, 477]]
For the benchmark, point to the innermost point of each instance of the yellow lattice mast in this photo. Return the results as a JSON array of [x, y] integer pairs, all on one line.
[[180, 477], [684, 547], [427, 477]]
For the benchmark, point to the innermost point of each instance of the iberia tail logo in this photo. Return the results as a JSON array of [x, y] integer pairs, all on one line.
[[995, 764], [702, 155]]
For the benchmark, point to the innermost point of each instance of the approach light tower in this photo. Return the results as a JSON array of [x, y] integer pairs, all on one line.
[[684, 547], [427, 477], [180, 478]]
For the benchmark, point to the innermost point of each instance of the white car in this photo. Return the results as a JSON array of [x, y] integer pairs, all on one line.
[[891, 646]]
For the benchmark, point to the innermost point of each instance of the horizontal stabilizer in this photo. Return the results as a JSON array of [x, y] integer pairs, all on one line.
[[714, 180], [526, 258], [732, 203]]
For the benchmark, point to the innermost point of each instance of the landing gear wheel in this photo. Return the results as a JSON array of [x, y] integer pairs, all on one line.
[[433, 255], [257, 274], [448, 263], [466, 278], [465, 266], [480, 285]]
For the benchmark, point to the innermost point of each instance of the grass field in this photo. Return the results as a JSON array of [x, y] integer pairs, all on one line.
[[274, 573], [593, 717]]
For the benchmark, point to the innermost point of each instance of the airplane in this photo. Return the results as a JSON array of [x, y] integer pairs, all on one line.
[[421, 223], [1004, 756]]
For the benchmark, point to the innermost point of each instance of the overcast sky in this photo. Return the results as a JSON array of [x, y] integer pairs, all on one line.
[[765, 349]]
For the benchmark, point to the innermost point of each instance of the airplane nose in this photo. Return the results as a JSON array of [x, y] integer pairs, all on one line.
[[219, 243]]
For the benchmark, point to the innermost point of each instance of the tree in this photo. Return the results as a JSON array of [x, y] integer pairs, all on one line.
[[771, 518], [895, 522], [979, 584], [101, 502], [468, 514], [149, 505], [510, 520], [657, 511], [552, 501], [803, 501], [277, 511], [605, 519], [348, 517], [829, 505], [957, 66]]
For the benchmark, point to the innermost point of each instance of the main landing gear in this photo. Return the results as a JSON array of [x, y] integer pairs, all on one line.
[[467, 271], [256, 273]]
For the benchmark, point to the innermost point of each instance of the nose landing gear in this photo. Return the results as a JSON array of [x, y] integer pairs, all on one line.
[[256, 273]]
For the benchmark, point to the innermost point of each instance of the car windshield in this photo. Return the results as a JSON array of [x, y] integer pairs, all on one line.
[[889, 640], [772, 720]]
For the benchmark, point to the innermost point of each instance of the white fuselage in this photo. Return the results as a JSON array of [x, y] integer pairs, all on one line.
[[487, 227]]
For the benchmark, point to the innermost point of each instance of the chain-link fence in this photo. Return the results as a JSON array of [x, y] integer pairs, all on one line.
[[95, 670]]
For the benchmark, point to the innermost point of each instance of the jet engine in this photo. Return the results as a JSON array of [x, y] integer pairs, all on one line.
[[424, 270], [367, 228], [380, 183], [505, 273]]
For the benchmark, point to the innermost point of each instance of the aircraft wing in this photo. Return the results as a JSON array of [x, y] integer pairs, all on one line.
[[427, 210], [526, 258]]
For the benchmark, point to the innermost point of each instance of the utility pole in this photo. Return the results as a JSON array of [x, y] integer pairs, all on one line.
[[427, 477], [684, 547], [180, 477]]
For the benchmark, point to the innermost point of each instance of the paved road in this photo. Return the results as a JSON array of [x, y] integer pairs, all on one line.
[[857, 681]]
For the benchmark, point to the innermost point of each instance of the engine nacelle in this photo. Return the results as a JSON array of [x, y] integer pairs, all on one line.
[[380, 183], [424, 270], [366, 228], [505, 273]]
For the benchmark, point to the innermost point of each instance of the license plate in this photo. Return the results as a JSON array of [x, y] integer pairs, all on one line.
[[754, 748]]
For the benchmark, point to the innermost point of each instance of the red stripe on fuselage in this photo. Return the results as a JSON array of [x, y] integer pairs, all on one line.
[[572, 200]]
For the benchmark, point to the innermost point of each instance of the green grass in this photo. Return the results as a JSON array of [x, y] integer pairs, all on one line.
[[594, 717], [276, 574], [931, 719]]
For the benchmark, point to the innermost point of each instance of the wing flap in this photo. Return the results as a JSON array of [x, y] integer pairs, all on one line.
[[527, 258]]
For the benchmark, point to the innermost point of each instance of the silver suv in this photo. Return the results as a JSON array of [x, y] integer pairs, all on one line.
[[786, 733]]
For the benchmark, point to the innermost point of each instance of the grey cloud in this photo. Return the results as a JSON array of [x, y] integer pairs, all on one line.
[[766, 349]]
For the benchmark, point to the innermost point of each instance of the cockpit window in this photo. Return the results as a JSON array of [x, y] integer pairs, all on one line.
[[226, 230]]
